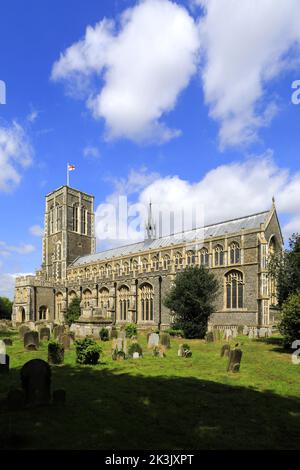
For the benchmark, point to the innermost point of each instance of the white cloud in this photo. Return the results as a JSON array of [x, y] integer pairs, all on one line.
[[228, 191], [32, 116], [15, 154], [22, 249], [144, 65], [91, 151], [36, 230], [246, 44]]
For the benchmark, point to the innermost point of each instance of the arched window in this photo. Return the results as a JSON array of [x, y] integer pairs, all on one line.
[[104, 299], [84, 213], [71, 295], [234, 251], [101, 271], [126, 268], [190, 257], [178, 260], [43, 312], [75, 218], [135, 265], [272, 279], [58, 307], [234, 290], [145, 264], [204, 257], [86, 297], [218, 256], [109, 270], [155, 263], [166, 262], [123, 303], [118, 269], [146, 302]]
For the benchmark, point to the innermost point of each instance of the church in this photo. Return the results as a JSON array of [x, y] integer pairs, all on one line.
[[128, 283]]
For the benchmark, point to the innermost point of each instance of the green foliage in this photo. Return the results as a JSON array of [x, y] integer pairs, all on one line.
[[284, 267], [5, 308], [114, 333], [55, 353], [104, 334], [191, 300], [164, 339], [87, 351], [130, 330], [186, 347], [175, 332], [289, 326], [134, 347], [73, 311]]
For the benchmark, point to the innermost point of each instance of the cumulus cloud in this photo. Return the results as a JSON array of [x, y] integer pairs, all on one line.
[[15, 154], [143, 62], [36, 230], [243, 53], [228, 191]]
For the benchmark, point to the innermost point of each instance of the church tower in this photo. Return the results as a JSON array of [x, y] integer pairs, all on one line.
[[69, 230]]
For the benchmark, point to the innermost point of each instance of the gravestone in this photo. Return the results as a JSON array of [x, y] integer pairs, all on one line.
[[250, 335], [4, 363], [135, 355], [7, 342], [255, 332], [22, 330], [263, 332], [153, 340], [15, 399], [44, 333], [234, 361], [225, 350], [31, 341], [36, 382], [120, 344], [180, 352], [59, 397], [165, 340], [240, 329], [228, 334], [245, 330], [209, 337], [65, 341], [234, 332], [58, 330]]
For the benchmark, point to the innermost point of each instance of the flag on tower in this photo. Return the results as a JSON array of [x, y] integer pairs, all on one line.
[[69, 168]]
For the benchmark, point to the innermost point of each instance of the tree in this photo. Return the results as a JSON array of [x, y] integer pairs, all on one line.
[[73, 311], [191, 300], [5, 308], [284, 267], [289, 326]]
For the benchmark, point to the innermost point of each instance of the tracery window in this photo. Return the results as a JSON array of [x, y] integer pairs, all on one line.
[[234, 281], [104, 298], [219, 255], [87, 298], [146, 302], [234, 251], [166, 261], [123, 302], [204, 257], [191, 258]]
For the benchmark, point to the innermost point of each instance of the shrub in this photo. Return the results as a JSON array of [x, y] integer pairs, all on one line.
[[175, 332], [87, 351], [164, 339], [56, 353], [135, 347], [104, 334], [114, 332], [73, 312], [289, 326], [130, 330]]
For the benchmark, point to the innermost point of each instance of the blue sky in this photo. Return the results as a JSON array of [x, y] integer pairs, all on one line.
[[158, 100]]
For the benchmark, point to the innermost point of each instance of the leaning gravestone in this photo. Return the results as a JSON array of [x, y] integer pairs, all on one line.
[[58, 330], [65, 341], [22, 330], [153, 340], [44, 333], [234, 362], [31, 341], [36, 382], [225, 350]]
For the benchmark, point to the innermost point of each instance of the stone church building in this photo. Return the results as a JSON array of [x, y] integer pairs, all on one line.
[[128, 284]]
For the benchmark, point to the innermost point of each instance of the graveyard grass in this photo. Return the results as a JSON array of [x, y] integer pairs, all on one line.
[[162, 403]]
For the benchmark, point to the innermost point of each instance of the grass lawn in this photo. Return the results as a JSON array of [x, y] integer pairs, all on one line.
[[155, 403]]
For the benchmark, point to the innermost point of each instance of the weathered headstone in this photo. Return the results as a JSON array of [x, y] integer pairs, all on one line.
[[165, 340], [225, 350], [135, 355], [180, 352], [263, 332], [22, 330], [65, 341], [153, 340], [120, 344], [36, 382], [31, 341], [228, 334], [234, 361], [4, 363], [7, 341], [250, 335], [59, 397], [15, 399], [245, 330], [44, 333], [58, 330]]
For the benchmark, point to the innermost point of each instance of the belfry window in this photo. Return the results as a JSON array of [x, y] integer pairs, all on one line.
[[75, 218]]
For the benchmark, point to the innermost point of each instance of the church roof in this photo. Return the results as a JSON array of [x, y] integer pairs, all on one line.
[[214, 230]]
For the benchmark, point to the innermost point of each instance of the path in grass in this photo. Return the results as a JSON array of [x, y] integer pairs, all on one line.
[[155, 403]]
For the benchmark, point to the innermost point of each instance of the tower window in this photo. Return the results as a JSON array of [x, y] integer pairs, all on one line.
[[75, 218]]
